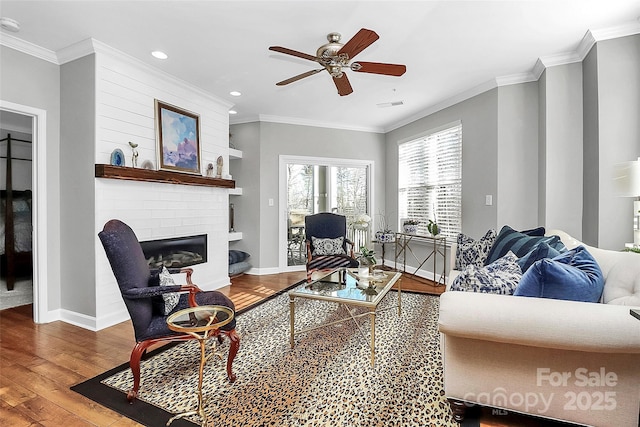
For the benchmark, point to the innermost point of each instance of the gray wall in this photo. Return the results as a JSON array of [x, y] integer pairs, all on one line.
[[563, 146], [618, 71], [77, 207], [479, 159], [591, 170], [517, 151], [246, 173], [275, 139], [33, 82]]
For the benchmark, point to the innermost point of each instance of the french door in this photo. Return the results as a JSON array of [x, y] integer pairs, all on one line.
[[311, 185]]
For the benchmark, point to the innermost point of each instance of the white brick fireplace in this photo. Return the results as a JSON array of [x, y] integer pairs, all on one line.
[[125, 92]]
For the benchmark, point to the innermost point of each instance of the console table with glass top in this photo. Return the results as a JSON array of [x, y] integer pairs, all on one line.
[[435, 246]]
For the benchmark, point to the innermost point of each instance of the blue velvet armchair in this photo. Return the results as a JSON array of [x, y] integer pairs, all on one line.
[[327, 244], [142, 296]]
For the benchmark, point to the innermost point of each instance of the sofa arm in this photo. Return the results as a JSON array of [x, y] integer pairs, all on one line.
[[539, 322]]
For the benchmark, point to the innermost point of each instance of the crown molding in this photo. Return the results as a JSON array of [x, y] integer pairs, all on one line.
[[76, 51], [462, 96], [314, 123], [28, 48]]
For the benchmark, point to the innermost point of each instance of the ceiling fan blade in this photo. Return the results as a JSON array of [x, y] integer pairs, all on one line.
[[379, 68], [343, 85], [293, 52], [358, 43], [298, 77]]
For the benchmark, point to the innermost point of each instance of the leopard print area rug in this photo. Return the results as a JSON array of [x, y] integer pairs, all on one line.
[[325, 380]]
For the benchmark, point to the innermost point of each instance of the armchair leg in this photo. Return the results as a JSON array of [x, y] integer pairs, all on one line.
[[458, 409], [234, 346], [134, 364]]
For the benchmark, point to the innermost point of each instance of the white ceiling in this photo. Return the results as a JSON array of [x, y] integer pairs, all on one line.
[[450, 48]]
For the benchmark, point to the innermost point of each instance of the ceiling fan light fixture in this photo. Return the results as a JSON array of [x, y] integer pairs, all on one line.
[[232, 112], [235, 93]]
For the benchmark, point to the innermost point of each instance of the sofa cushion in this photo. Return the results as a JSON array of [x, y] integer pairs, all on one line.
[[473, 252], [500, 277], [574, 275], [539, 252], [519, 243]]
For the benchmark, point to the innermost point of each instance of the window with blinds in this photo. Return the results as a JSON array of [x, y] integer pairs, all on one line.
[[430, 180]]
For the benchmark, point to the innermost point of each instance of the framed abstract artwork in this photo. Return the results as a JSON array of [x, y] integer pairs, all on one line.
[[178, 139]]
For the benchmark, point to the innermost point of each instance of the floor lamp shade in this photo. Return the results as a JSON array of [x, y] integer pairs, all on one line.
[[627, 182]]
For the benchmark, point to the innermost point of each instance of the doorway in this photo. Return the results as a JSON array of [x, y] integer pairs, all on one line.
[[16, 190], [37, 119], [311, 185]]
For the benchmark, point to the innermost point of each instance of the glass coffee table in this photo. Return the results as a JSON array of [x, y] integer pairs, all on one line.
[[345, 287]]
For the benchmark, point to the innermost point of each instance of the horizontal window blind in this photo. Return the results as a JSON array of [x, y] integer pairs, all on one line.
[[430, 180]]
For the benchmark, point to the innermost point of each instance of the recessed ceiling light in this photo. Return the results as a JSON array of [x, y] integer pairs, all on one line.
[[159, 54], [10, 24], [233, 112], [234, 93], [390, 104]]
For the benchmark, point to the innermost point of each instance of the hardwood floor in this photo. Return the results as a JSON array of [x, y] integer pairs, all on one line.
[[38, 363]]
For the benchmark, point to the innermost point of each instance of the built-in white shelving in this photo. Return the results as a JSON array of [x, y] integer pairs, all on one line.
[[237, 191], [235, 235]]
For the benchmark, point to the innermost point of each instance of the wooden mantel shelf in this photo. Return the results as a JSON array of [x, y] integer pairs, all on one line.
[[167, 177]]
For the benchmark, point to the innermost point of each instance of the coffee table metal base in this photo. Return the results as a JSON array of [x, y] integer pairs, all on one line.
[[352, 316]]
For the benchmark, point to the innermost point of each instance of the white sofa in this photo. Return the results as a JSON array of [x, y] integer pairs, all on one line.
[[564, 360]]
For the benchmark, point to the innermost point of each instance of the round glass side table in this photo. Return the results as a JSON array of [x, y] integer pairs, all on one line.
[[202, 322]]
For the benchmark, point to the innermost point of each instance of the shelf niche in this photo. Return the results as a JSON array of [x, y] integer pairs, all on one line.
[[167, 177]]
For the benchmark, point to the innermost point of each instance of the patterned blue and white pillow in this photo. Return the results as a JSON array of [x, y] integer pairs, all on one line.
[[500, 277], [473, 252], [327, 246]]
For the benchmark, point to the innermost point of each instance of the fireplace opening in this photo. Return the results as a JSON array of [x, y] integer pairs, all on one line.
[[175, 252]]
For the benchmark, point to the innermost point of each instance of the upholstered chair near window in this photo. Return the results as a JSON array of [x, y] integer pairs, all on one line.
[[327, 243], [150, 299]]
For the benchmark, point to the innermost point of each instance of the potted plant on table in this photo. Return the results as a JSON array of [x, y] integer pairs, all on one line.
[[410, 226], [433, 228], [384, 233], [366, 261]]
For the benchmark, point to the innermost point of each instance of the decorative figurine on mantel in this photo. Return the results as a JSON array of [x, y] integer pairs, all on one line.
[[219, 168], [134, 154], [210, 170]]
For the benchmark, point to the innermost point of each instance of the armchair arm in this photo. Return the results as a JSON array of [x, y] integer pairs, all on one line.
[[151, 291], [539, 322], [349, 242]]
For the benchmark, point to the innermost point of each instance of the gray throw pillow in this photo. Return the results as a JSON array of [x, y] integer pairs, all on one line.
[[327, 246], [170, 298]]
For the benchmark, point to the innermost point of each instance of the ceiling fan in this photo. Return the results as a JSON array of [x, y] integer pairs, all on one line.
[[334, 56]]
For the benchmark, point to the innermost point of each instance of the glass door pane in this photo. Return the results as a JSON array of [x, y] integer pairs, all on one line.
[[314, 188]]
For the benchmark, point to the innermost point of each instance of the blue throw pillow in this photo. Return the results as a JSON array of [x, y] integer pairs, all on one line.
[[539, 252], [519, 243], [574, 275], [236, 256]]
